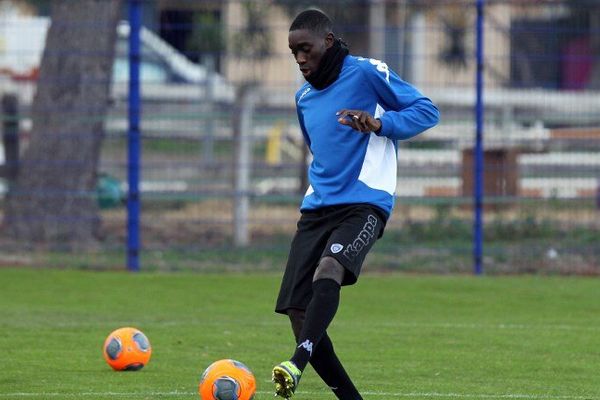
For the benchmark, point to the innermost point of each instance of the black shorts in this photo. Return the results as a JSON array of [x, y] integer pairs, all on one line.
[[344, 232]]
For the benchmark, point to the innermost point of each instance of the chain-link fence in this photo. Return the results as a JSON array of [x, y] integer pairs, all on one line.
[[223, 164]]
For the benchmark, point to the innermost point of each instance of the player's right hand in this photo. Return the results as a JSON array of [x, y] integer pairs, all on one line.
[[359, 120]]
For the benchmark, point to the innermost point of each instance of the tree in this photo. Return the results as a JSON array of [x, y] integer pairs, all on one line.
[[52, 201], [207, 39]]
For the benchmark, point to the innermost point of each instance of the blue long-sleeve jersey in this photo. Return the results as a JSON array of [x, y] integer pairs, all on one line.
[[349, 166]]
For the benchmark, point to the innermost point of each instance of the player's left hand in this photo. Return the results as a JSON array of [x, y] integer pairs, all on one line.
[[359, 120]]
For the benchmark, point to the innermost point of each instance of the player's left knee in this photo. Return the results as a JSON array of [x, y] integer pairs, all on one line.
[[329, 268]]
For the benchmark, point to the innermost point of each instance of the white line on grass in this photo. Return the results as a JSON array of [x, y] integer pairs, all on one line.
[[407, 324], [506, 326], [427, 395]]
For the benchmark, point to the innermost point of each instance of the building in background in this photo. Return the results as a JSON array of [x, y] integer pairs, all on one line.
[[430, 43]]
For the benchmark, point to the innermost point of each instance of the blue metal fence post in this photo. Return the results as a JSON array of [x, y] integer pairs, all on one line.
[[133, 163], [478, 153]]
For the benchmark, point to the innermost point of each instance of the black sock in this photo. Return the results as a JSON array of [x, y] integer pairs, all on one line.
[[319, 314], [326, 363]]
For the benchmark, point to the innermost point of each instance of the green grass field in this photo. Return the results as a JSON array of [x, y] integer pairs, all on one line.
[[400, 336]]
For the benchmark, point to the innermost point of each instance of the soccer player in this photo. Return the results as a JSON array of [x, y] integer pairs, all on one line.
[[351, 111]]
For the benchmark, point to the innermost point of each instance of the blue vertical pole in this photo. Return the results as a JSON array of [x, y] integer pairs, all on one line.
[[133, 170], [478, 153]]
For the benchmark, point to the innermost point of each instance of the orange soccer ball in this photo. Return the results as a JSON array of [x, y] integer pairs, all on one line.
[[227, 380], [127, 349]]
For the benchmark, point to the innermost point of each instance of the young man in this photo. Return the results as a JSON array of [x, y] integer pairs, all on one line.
[[351, 111]]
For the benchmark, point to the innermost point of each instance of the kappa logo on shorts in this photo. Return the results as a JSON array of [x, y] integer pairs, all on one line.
[[336, 248], [363, 238]]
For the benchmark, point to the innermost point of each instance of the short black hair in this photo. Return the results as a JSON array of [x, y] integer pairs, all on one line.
[[313, 20]]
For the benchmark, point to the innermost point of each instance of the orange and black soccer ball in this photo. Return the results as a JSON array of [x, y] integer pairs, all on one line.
[[127, 349], [227, 380]]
